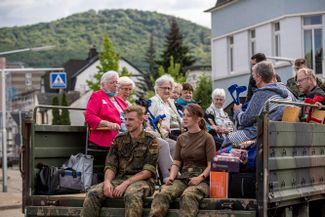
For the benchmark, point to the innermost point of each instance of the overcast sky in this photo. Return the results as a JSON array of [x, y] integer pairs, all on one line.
[[22, 12]]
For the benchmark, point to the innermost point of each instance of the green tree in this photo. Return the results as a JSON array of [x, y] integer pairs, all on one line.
[[65, 117], [173, 70], [108, 60], [125, 72], [202, 93], [150, 57], [55, 111], [175, 47]]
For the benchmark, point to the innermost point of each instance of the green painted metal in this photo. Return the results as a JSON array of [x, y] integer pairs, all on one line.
[[296, 161]]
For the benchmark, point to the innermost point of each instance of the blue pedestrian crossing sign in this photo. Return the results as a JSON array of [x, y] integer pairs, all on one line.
[[58, 80]]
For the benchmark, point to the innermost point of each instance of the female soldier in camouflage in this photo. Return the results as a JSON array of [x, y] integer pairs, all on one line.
[[195, 150]]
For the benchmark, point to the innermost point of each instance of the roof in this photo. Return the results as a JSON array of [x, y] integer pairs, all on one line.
[[219, 4]]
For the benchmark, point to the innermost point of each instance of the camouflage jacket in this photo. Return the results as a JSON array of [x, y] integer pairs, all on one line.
[[128, 156]]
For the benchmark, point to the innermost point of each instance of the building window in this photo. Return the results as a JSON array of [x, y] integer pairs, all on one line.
[[276, 39], [252, 42], [313, 48], [231, 53]]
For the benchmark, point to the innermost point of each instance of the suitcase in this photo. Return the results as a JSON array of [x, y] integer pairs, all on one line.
[[242, 185]]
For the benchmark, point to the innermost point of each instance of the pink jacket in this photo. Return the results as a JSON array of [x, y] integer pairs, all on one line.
[[100, 107]]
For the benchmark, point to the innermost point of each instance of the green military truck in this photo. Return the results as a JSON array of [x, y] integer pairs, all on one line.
[[290, 173]]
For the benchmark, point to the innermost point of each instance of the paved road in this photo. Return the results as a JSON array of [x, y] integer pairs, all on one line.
[[10, 202]]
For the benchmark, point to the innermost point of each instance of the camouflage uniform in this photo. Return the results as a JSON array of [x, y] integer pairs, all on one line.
[[190, 195], [126, 158]]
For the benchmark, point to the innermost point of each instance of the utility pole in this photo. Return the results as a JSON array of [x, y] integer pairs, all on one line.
[[4, 128]]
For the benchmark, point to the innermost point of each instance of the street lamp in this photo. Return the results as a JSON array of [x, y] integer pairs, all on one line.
[[4, 130], [47, 47]]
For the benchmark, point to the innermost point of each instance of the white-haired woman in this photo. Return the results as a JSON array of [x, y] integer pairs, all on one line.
[[219, 120], [161, 104], [125, 87], [105, 109]]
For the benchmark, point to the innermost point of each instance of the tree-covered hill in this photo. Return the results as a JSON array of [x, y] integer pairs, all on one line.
[[129, 31]]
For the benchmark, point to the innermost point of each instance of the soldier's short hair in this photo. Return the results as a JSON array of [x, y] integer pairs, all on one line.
[[135, 108]]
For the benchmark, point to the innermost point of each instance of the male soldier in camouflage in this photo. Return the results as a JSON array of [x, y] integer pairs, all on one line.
[[129, 169]]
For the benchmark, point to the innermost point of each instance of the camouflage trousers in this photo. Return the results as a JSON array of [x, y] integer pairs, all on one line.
[[133, 198], [189, 203]]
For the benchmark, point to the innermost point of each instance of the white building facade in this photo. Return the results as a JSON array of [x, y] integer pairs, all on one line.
[[278, 28]]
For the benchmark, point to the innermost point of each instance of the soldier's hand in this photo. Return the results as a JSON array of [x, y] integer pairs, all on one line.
[[108, 189], [195, 180], [120, 189]]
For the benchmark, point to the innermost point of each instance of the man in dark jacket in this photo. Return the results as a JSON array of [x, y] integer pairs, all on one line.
[[307, 84]]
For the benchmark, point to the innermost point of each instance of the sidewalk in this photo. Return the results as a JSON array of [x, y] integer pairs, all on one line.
[[13, 198]]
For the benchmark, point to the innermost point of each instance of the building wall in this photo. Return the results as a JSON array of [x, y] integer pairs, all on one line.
[[240, 17], [246, 13], [241, 52]]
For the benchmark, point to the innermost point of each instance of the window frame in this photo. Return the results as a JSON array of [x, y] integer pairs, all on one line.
[[312, 28]]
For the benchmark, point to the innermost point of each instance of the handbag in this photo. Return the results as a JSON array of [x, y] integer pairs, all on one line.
[[70, 181], [84, 164]]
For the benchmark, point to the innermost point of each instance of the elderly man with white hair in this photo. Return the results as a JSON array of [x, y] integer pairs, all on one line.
[[105, 109]]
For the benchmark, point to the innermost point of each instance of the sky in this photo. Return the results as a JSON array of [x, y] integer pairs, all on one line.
[[24, 12]]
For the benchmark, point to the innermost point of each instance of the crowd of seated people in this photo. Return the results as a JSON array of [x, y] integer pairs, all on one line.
[[184, 126]]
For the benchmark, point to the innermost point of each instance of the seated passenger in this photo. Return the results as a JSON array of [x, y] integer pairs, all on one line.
[[186, 97], [195, 150], [176, 93], [125, 86], [268, 89], [105, 109], [292, 82], [129, 169], [307, 84], [161, 104], [218, 119]]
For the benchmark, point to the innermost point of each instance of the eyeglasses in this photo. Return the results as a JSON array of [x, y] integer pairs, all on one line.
[[300, 80], [126, 89], [112, 82], [166, 88]]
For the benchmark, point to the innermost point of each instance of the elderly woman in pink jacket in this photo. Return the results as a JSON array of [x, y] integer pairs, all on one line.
[[105, 109]]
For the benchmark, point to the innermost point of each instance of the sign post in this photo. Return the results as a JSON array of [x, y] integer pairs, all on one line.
[[58, 80]]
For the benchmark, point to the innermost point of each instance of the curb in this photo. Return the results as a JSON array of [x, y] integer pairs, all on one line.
[[15, 206]]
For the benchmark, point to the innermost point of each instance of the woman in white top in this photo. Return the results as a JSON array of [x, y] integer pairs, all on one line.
[[218, 119], [162, 104]]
